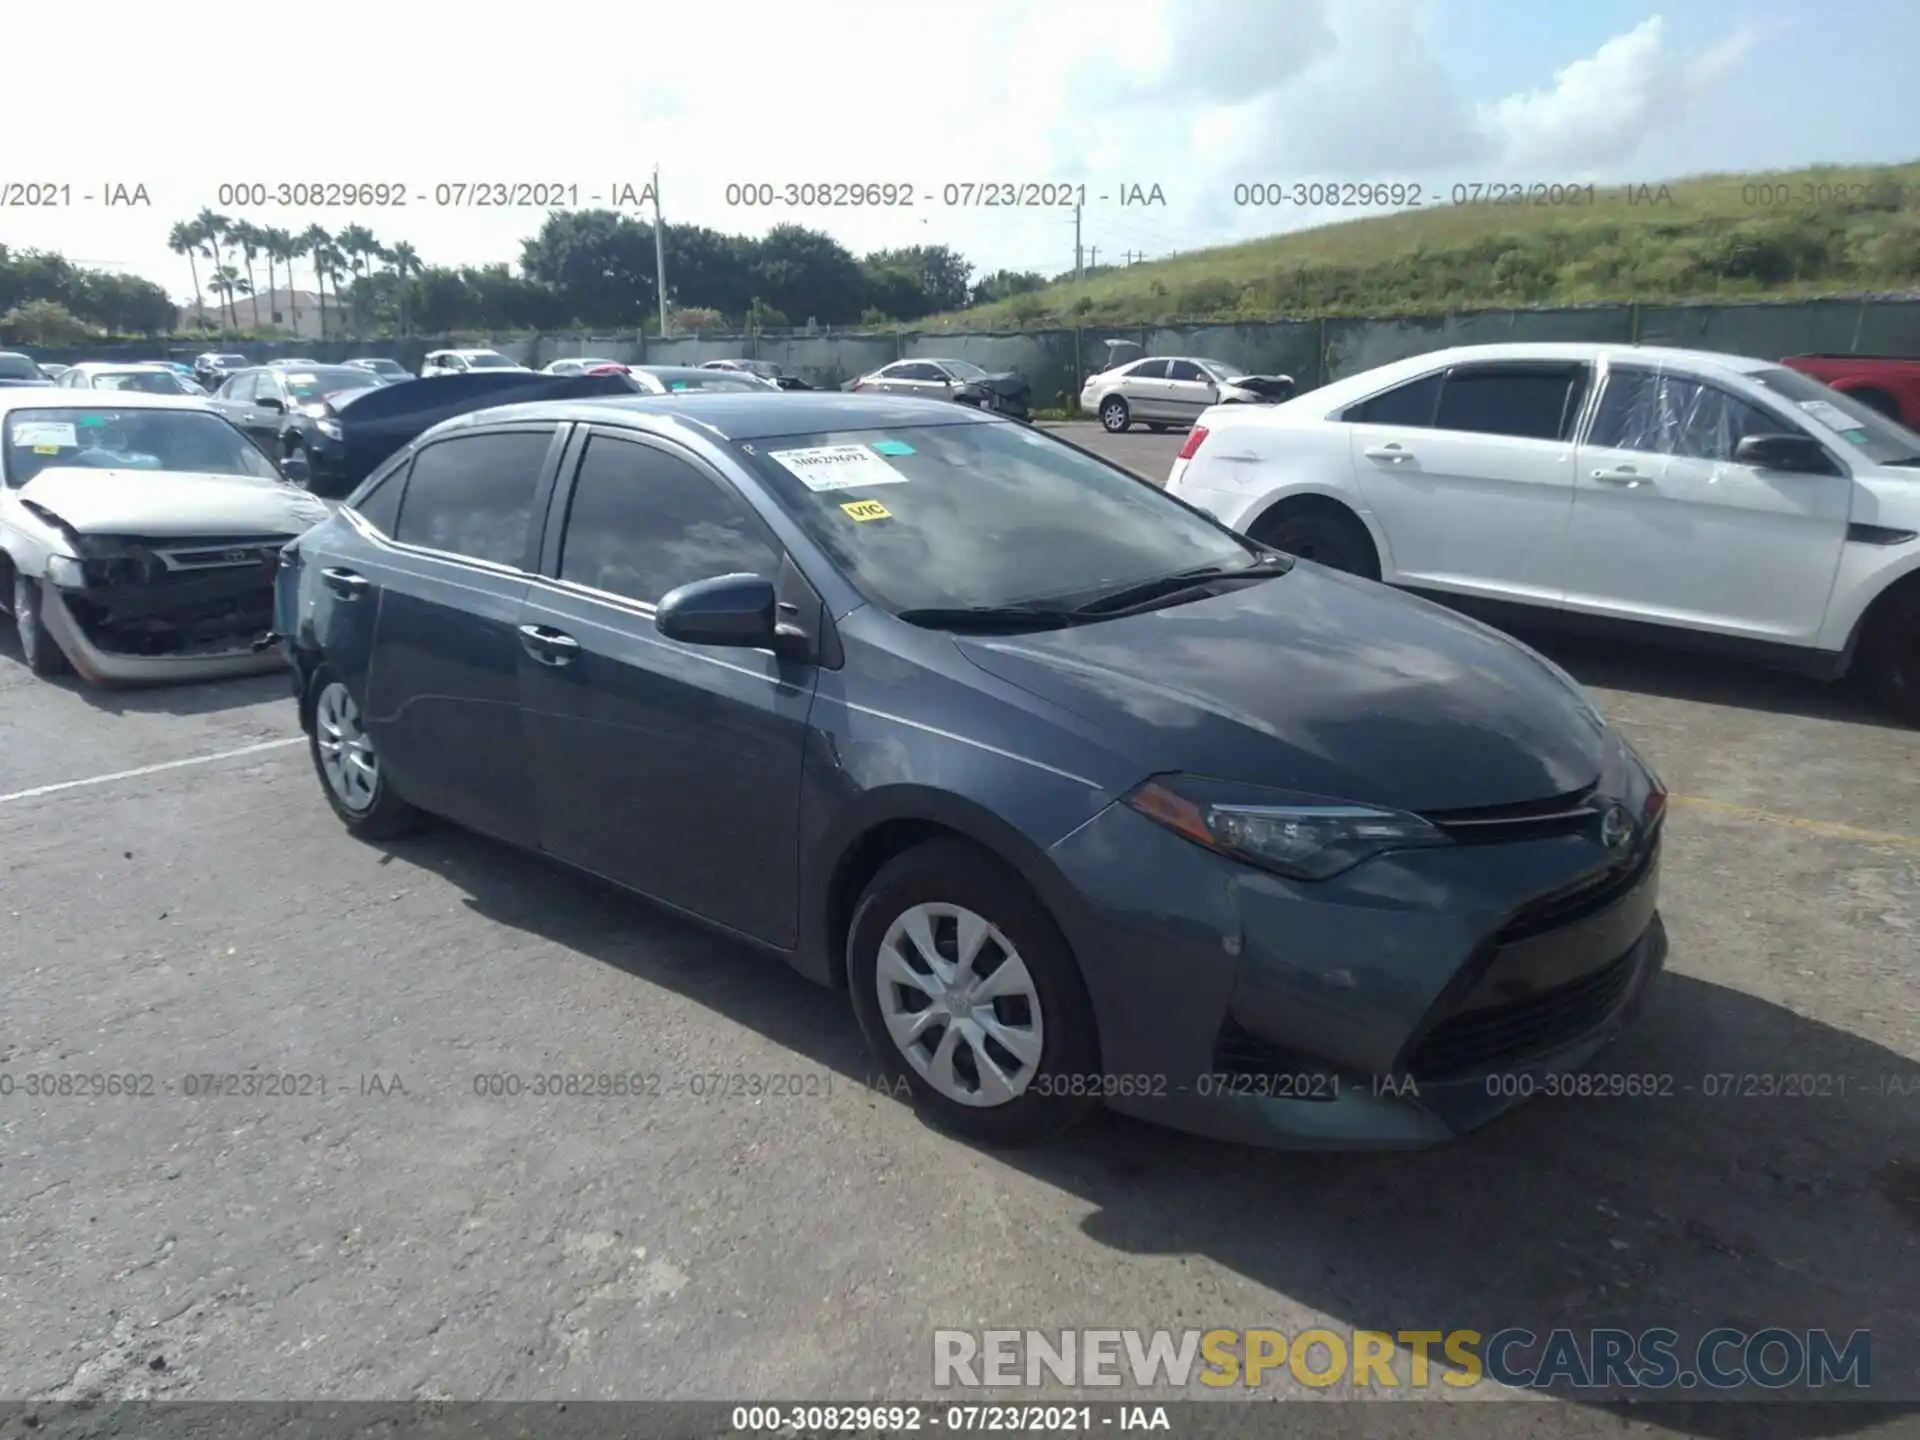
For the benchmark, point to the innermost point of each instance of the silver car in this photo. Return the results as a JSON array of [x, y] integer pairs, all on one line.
[[1164, 391], [931, 379], [577, 365]]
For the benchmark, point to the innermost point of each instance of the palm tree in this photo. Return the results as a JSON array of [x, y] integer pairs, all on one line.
[[184, 239], [406, 264], [357, 245], [213, 234], [249, 239], [292, 247], [222, 284], [318, 244]]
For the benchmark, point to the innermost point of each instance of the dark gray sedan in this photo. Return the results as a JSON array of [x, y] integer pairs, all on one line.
[[1079, 796]]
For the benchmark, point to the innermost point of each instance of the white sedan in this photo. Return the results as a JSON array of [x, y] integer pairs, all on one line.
[[1703, 497]]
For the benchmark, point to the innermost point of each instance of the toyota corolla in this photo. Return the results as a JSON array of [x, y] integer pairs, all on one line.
[[1079, 796]]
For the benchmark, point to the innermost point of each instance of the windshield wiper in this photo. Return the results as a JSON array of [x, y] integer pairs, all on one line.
[[989, 617], [1166, 586]]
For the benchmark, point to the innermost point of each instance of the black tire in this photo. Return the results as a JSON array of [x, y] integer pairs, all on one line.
[[955, 872], [385, 816], [1890, 656], [292, 448], [1879, 400], [1116, 416], [41, 651], [1325, 534]]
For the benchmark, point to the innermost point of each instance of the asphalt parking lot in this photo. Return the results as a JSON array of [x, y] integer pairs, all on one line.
[[177, 900]]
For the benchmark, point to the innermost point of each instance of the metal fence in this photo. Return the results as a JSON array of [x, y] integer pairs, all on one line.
[[1055, 361]]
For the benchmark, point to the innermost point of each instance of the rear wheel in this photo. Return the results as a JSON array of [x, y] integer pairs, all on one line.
[[351, 776], [1891, 656], [1115, 415], [967, 992], [42, 653], [1324, 533]]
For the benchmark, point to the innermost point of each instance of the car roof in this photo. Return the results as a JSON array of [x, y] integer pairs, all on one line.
[[52, 399], [1369, 381], [737, 414]]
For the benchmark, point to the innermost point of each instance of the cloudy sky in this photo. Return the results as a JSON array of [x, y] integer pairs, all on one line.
[[1193, 96]]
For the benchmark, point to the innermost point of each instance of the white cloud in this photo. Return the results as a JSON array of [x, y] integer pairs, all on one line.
[[1192, 95]]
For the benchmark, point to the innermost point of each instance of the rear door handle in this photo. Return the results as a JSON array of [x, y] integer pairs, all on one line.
[[547, 645], [345, 584], [1392, 454]]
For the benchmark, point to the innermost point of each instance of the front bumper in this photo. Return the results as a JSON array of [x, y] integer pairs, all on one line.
[[109, 667], [1403, 1004]]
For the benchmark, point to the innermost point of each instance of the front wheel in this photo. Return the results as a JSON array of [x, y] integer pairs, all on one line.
[[40, 650], [351, 775], [1115, 415], [1891, 657], [967, 992]]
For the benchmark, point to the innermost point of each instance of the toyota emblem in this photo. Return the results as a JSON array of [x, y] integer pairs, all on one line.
[[1616, 828], [237, 557]]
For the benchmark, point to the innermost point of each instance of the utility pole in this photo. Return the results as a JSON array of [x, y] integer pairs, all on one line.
[[1078, 269], [659, 253], [1093, 257]]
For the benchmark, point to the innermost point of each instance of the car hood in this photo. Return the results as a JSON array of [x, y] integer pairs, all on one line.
[[1320, 684], [161, 503]]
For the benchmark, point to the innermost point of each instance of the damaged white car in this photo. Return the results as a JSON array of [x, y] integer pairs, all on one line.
[[139, 536]]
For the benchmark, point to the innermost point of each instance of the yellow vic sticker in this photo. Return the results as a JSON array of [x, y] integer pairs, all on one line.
[[867, 510]]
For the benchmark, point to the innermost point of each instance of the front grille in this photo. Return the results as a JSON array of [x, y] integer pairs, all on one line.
[[1566, 814], [217, 553], [1488, 1038]]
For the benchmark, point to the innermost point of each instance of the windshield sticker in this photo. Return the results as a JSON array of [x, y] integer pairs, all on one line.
[[822, 468], [679, 384], [93, 419], [867, 510], [892, 447], [1831, 416], [38, 433]]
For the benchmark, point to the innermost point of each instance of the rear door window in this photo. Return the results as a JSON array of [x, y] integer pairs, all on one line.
[[1526, 402], [473, 495]]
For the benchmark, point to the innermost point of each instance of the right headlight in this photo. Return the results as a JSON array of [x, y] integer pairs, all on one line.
[[1300, 836]]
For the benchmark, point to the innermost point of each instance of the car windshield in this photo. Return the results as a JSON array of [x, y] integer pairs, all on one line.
[[487, 360], [307, 386], [231, 360], [19, 367], [147, 382], [1882, 440], [105, 438], [1223, 371], [965, 369], [937, 517]]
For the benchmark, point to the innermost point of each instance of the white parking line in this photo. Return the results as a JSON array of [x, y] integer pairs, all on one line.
[[264, 745]]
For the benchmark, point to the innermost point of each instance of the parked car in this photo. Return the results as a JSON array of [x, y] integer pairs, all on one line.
[[1060, 780], [123, 375], [1172, 390], [459, 362], [392, 372], [960, 380], [293, 415], [765, 369], [52, 369], [669, 379], [139, 536], [580, 365], [212, 369], [18, 369], [1887, 383], [1676, 494]]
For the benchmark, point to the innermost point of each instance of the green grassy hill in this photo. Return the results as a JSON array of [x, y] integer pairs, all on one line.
[[1831, 230]]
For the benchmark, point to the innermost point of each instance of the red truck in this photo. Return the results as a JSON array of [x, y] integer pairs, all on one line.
[[1889, 383]]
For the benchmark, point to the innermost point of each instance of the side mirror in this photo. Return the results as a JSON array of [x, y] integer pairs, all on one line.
[[272, 402], [741, 612], [1797, 454]]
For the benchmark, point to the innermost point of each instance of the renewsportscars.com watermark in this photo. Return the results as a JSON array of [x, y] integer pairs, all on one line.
[[1598, 1359]]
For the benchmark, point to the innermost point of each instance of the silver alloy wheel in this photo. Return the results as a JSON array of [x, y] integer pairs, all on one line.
[[346, 755], [1113, 414], [960, 1004]]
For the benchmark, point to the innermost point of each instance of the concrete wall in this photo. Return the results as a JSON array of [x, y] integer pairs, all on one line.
[[1312, 351]]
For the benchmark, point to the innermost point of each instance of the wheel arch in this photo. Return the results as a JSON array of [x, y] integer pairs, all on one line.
[[1294, 498], [890, 822], [1899, 588]]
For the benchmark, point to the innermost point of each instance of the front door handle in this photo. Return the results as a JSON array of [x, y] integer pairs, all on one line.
[[547, 645], [345, 584], [1392, 454], [1622, 475]]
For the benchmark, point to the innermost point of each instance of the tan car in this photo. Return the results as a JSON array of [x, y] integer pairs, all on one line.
[[1164, 391]]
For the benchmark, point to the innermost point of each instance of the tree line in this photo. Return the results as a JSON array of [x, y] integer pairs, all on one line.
[[587, 269]]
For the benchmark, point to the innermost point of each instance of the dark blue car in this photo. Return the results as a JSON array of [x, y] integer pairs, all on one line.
[[1081, 797]]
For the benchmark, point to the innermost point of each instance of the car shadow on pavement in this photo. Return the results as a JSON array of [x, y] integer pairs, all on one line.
[[187, 697], [1693, 1209]]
